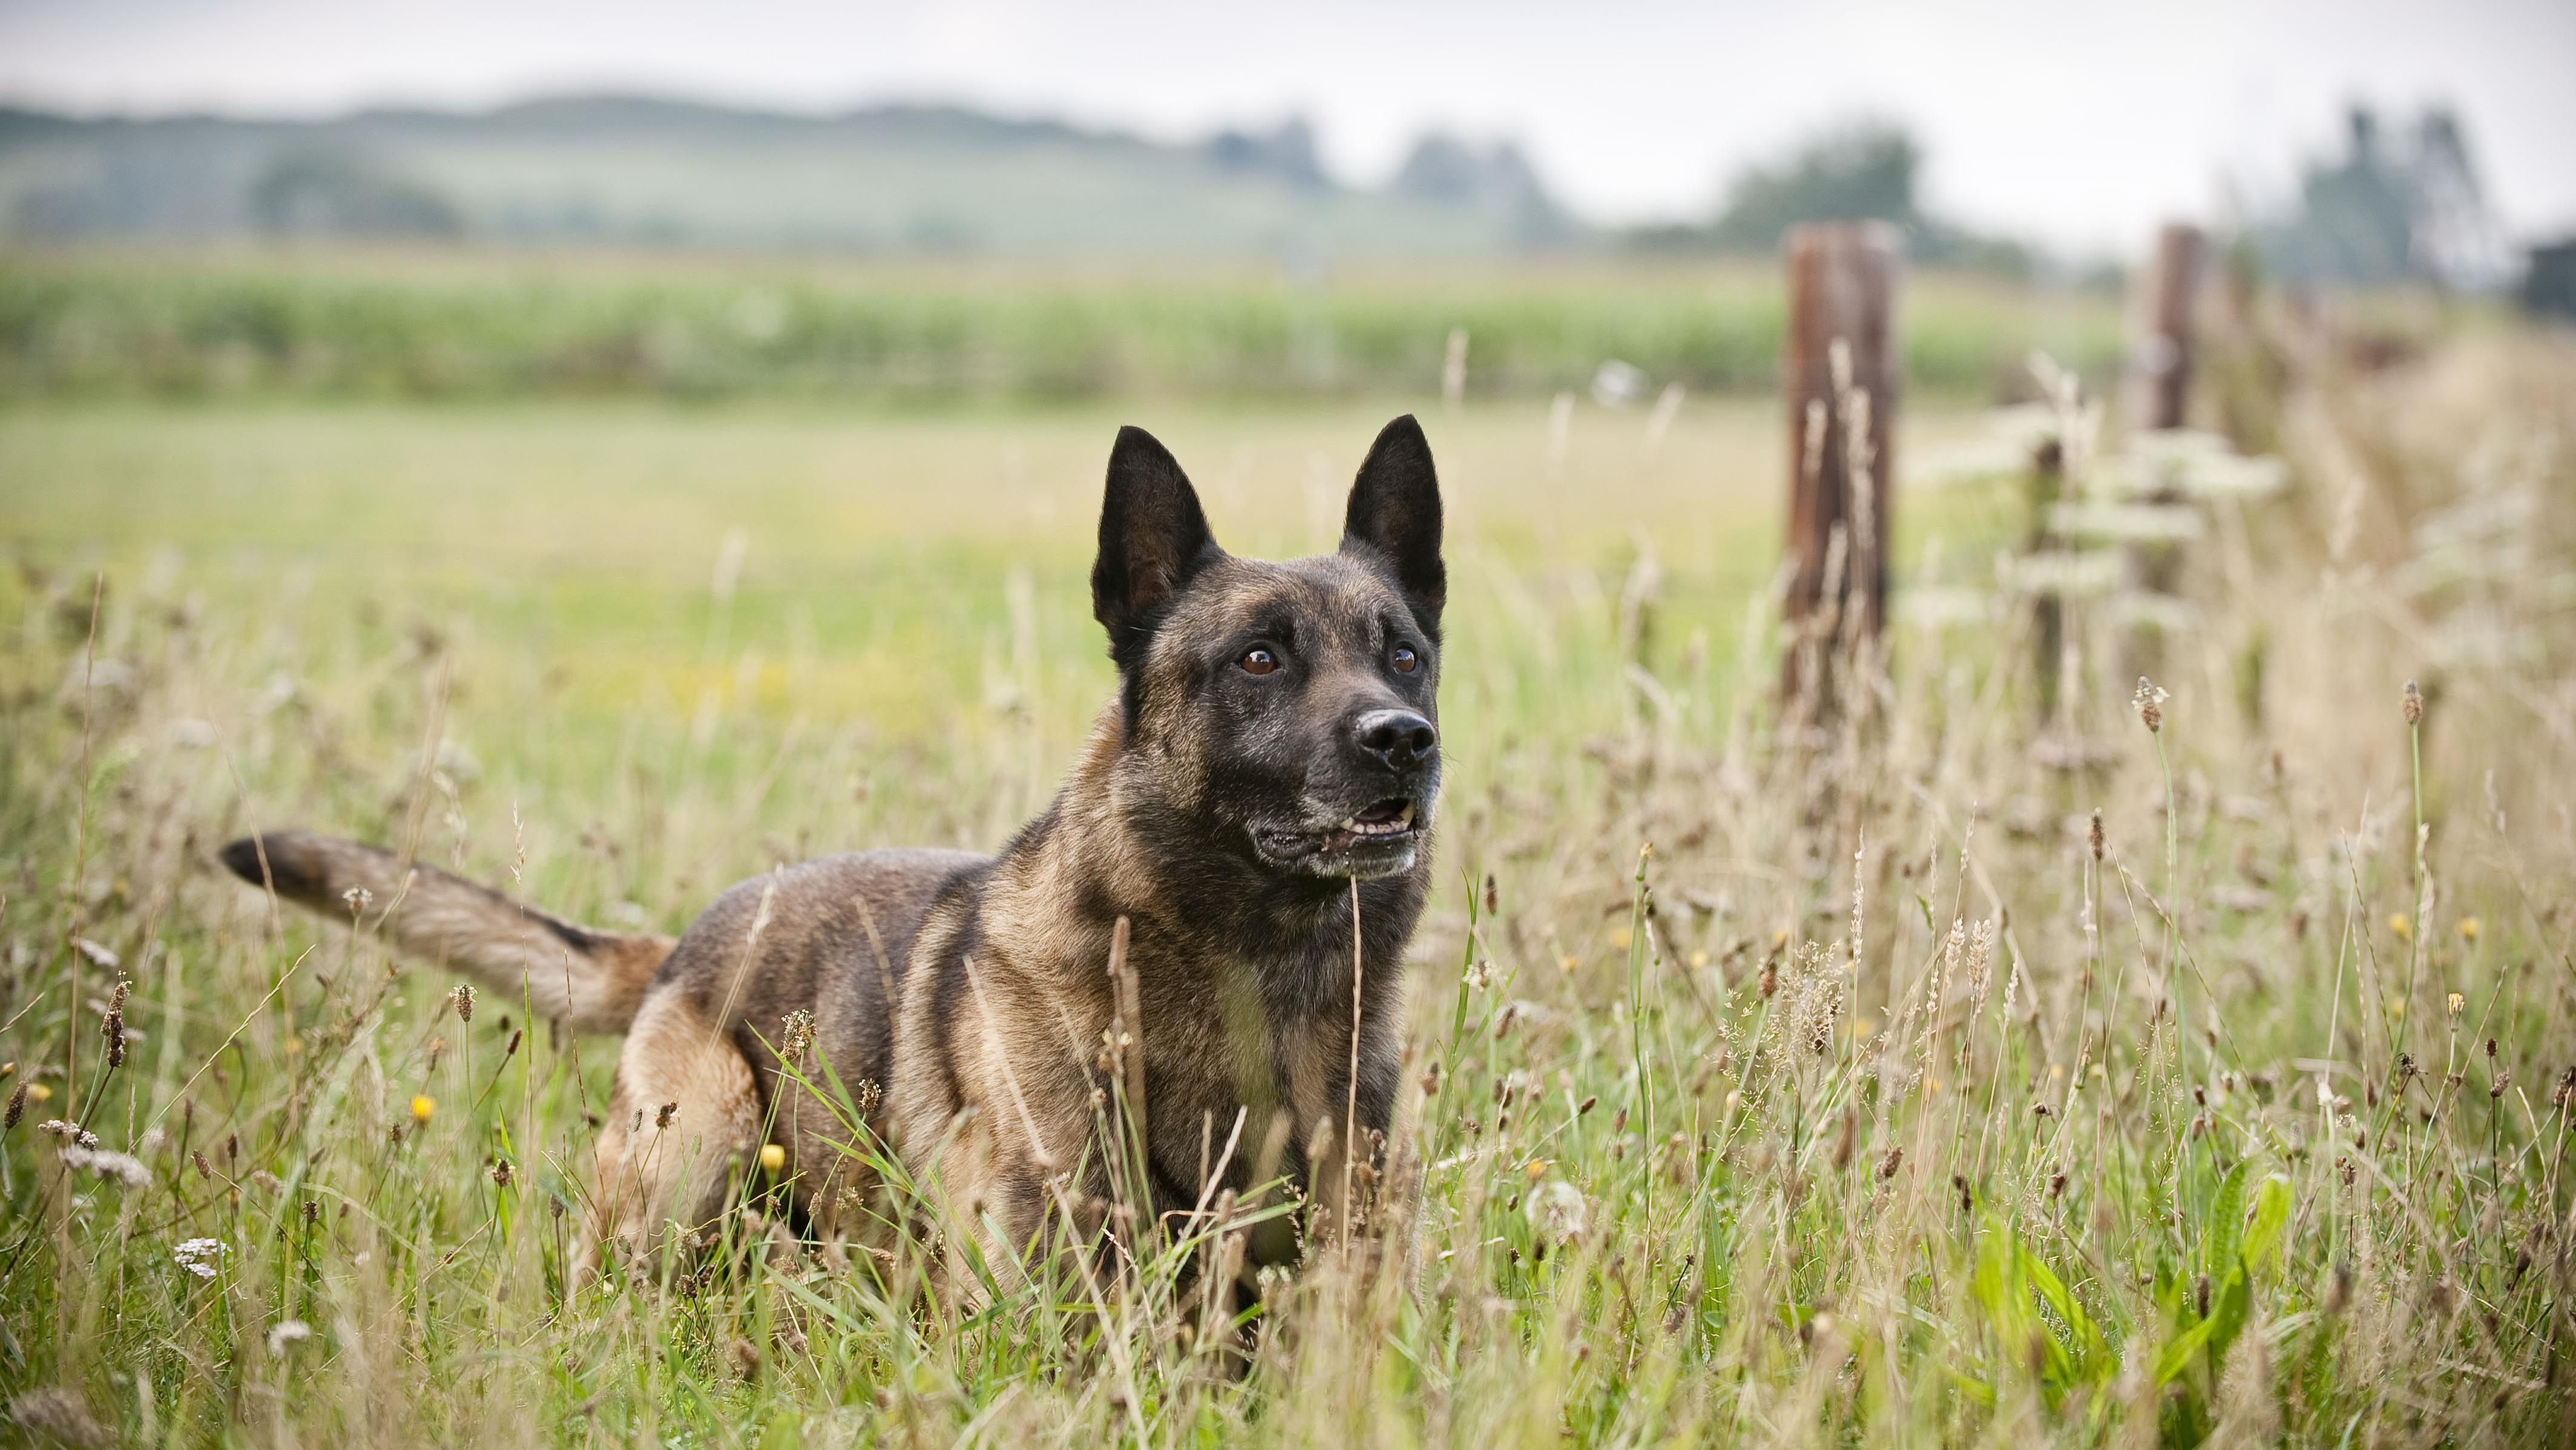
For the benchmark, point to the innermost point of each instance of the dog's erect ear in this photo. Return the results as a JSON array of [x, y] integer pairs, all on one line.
[[1395, 516], [1153, 538]]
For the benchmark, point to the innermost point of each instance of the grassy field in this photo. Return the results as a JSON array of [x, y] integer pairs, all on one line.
[[1887, 1098], [480, 325]]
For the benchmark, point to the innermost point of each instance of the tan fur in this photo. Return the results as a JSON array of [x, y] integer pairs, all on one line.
[[682, 1118], [584, 980]]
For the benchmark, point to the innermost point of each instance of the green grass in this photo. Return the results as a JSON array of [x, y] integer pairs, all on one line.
[[482, 326], [1736, 1140]]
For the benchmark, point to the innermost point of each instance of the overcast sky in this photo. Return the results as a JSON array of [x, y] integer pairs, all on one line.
[[2077, 122]]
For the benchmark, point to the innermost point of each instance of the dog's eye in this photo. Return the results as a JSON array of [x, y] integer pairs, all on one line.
[[1404, 660], [1258, 662]]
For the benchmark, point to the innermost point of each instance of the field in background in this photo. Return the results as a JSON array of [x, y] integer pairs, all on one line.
[[1882, 1101], [480, 325]]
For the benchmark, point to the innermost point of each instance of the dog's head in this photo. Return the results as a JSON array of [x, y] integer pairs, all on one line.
[[1289, 710]]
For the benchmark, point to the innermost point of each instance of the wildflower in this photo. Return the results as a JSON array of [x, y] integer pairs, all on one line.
[[501, 1172], [772, 1157], [2454, 1003], [2151, 705], [123, 1167], [98, 955], [2401, 926], [72, 1132], [2414, 704], [1537, 1168], [1557, 1210], [17, 1107], [2093, 835], [38, 1092], [662, 1116], [422, 1106], [286, 1332], [112, 1027], [198, 1256], [795, 1034], [462, 999], [2469, 928]]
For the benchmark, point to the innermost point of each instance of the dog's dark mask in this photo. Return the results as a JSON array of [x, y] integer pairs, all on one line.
[[1289, 710]]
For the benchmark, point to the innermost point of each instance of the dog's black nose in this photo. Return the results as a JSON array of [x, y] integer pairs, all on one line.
[[1400, 738]]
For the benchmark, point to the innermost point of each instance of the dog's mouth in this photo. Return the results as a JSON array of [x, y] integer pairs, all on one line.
[[1376, 840], [1386, 820]]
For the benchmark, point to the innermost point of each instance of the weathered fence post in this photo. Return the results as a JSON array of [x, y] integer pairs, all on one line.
[[2159, 375], [1839, 369], [2158, 397]]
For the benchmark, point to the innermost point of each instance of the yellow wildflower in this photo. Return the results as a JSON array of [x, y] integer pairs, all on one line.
[[422, 1107]]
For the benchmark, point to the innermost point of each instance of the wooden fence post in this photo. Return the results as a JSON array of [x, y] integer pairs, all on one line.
[[1839, 370], [2159, 374], [2158, 396]]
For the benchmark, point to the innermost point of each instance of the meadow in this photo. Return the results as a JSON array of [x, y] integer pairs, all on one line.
[[483, 325], [2187, 1066]]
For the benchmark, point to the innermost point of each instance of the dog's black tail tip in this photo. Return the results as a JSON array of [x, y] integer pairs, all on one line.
[[264, 859]]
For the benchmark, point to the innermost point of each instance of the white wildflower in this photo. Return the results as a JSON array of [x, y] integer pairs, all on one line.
[[1556, 1210], [124, 1167], [198, 1256], [286, 1332]]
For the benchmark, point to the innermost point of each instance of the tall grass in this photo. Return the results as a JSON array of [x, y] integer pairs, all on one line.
[[1929, 1071]]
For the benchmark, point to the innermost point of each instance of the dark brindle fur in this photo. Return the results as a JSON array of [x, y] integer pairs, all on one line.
[[1270, 760]]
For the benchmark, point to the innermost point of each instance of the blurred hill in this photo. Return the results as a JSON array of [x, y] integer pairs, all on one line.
[[635, 170]]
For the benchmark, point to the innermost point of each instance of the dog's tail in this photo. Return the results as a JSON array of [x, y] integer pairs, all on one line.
[[589, 981]]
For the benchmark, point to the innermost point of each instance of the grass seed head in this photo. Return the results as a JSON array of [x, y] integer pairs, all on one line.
[[2150, 701]]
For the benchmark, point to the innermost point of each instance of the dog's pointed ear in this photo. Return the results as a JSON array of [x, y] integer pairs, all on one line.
[[1153, 538], [1395, 516]]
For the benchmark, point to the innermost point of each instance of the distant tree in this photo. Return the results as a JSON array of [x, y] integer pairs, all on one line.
[[1862, 171], [2382, 213], [1449, 170], [1286, 153], [337, 193]]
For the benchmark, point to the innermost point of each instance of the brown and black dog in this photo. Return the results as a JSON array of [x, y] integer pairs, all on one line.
[[1270, 766]]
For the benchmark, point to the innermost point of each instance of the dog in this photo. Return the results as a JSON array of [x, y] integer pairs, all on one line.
[[1268, 770]]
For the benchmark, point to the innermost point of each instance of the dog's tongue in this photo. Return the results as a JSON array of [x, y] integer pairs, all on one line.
[[1383, 813]]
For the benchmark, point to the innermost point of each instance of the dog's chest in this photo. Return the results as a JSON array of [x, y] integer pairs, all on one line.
[[1231, 1063]]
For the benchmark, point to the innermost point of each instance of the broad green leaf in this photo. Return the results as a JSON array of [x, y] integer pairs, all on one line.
[[2179, 1350], [786, 1431], [2271, 1215], [2092, 1353], [2226, 1228], [2228, 1311]]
